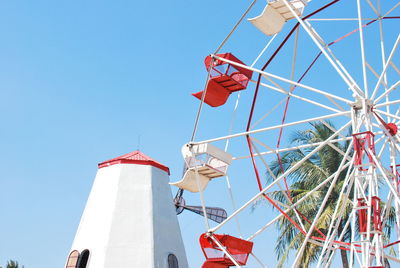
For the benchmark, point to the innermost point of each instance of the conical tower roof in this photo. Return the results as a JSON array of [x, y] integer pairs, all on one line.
[[136, 157]]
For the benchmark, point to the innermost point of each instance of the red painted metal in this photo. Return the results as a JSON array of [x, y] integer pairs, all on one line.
[[375, 214], [216, 94], [135, 157], [392, 244], [210, 264], [362, 141], [230, 69], [238, 248], [396, 178], [224, 79], [392, 128], [362, 215], [266, 196]]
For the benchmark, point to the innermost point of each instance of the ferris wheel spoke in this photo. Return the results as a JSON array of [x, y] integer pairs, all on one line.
[[321, 208], [286, 173], [266, 74], [292, 148], [335, 103], [386, 136], [331, 251], [373, 8], [287, 93], [260, 143], [274, 128], [228, 254], [395, 67], [392, 9], [283, 191], [268, 167], [383, 53], [353, 251], [379, 127], [332, 128], [361, 188], [386, 141], [387, 208], [294, 57], [393, 87], [236, 26], [393, 116], [339, 19], [263, 51], [384, 104], [346, 227], [363, 59], [262, 229], [323, 47], [298, 202], [258, 260], [387, 180], [382, 76], [343, 198], [383, 82], [268, 113], [396, 143], [392, 258], [339, 150], [337, 215], [397, 113], [392, 136], [281, 204]]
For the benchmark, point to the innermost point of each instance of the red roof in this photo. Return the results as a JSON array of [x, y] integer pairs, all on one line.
[[135, 157]]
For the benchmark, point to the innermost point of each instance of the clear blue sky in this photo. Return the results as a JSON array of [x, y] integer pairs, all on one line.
[[80, 81]]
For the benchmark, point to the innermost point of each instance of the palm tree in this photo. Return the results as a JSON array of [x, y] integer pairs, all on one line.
[[13, 264], [307, 177]]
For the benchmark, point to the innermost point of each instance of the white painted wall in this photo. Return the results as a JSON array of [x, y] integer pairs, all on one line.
[[129, 220]]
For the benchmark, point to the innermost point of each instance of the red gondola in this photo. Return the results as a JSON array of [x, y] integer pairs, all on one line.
[[238, 248], [225, 78]]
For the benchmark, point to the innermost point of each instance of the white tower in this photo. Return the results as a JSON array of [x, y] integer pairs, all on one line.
[[129, 219]]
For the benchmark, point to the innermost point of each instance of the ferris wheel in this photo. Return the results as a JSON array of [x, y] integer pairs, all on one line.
[[315, 116]]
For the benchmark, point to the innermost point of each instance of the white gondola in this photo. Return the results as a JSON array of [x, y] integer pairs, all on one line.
[[275, 14], [203, 162]]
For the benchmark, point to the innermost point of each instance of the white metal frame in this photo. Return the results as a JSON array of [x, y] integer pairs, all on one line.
[[368, 249]]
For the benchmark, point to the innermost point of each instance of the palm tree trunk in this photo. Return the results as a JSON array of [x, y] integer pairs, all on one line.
[[345, 261]]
